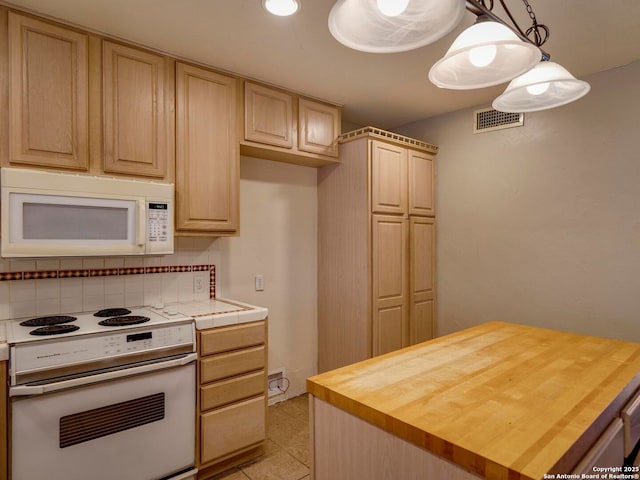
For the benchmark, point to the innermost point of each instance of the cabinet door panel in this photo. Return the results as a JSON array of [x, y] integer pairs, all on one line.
[[233, 428], [389, 285], [232, 338], [422, 240], [134, 111], [421, 184], [388, 178], [608, 451], [319, 127], [207, 162], [224, 365], [49, 94], [268, 116], [232, 390]]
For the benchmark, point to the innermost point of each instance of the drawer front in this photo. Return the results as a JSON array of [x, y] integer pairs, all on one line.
[[229, 364], [608, 451], [631, 419], [233, 428], [231, 390], [224, 339]]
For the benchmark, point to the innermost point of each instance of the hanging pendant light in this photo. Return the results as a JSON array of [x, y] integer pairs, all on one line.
[[385, 26], [281, 8], [547, 85], [485, 54]]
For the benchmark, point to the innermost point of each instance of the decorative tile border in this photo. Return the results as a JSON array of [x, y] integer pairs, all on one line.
[[107, 272]]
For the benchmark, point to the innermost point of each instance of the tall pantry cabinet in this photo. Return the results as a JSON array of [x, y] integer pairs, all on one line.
[[376, 247]]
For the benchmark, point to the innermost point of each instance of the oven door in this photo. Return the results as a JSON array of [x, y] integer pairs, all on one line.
[[139, 427]]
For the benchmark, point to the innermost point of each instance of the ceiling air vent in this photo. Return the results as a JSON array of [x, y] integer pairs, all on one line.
[[489, 119]]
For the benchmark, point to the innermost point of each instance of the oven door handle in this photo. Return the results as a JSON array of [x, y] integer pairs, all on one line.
[[24, 390]]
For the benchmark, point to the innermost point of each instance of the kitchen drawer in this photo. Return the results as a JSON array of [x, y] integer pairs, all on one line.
[[224, 339], [232, 428], [631, 420], [608, 451], [231, 390], [229, 364]]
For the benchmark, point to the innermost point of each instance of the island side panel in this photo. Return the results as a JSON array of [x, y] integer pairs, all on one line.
[[345, 447]]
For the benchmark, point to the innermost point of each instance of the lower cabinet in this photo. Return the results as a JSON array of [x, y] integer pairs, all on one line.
[[231, 396]]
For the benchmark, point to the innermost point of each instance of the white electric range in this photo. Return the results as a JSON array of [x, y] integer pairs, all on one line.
[[94, 392]]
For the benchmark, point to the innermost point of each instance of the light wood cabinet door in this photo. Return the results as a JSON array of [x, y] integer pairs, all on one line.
[[390, 322], [421, 184], [422, 254], [268, 116], [134, 111], [207, 160], [388, 178], [233, 337], [233, 428], [49, 100], [229, 364], [318, 127]]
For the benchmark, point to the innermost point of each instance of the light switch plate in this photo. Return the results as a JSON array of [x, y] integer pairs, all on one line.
[[259, 283]]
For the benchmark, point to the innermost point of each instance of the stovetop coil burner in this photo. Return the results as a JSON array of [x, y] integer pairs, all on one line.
[[49, 320], [112, 312], [123, 321], [54, 330]]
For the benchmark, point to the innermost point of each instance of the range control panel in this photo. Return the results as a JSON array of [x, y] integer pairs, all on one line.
[[79, 349]]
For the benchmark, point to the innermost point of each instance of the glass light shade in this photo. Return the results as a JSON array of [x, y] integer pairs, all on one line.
[[547, 85], [485, 54], [282, 8], [363, 24]]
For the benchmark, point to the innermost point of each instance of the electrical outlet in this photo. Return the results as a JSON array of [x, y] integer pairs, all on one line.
[[259, 281], [198, 285]]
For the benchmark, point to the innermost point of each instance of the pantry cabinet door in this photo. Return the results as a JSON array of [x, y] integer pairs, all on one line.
[[388, 178], [389, 244], [207, 161], [49, 100], [421, 184], [422, 278], [135, 131]]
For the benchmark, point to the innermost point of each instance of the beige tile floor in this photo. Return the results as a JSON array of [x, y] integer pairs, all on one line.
[[286, 454]]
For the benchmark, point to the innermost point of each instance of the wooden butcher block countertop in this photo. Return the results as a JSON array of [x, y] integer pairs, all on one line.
[[499, 399]]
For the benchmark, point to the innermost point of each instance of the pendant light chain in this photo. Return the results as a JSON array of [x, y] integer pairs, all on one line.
[[540, 32]]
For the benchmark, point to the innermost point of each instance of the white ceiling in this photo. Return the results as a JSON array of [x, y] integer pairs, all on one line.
[[299, 53]]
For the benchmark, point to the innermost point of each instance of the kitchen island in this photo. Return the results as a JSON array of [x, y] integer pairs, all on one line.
[[497, 401]]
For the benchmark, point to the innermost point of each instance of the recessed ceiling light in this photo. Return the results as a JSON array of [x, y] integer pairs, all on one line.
[[282, 8]]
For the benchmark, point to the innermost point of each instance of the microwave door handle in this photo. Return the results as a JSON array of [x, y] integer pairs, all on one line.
[[140, 233], [23, 390]]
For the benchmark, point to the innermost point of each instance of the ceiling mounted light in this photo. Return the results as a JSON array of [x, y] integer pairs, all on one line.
[[282, 8], [545, 86], [385, 26], [485, 54]]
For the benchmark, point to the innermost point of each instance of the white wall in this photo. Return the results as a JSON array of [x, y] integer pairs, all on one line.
[[278, 239], [540, 225]]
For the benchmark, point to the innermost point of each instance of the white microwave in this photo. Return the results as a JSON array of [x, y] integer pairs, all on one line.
[[52, 214]]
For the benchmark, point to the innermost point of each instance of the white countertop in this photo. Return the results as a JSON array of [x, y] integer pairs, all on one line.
[[220, 312]]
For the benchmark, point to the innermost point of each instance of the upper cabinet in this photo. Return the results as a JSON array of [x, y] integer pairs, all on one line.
[[207, 160], [48, 92], [135, 137], [282, 126]]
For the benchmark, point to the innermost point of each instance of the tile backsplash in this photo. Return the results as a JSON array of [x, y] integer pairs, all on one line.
[[34, 287]]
